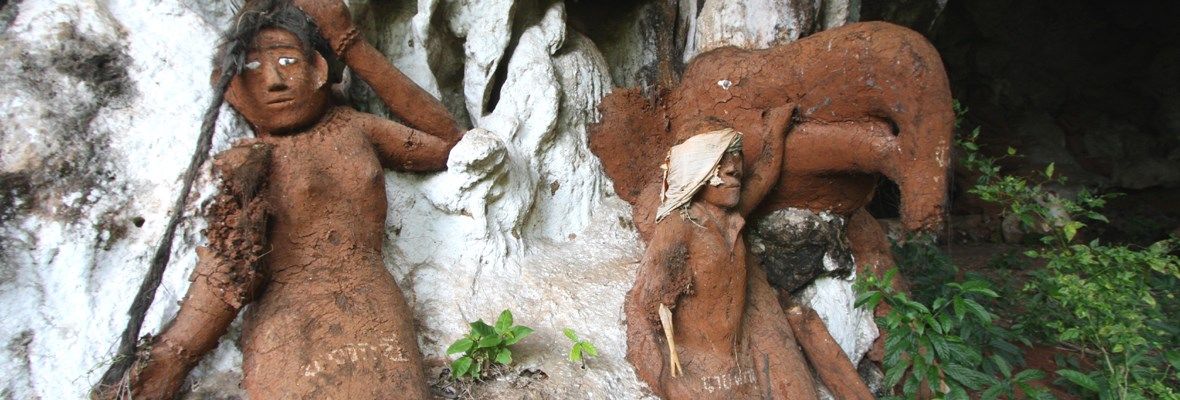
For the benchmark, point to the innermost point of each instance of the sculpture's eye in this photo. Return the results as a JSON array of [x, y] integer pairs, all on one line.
[[287, 60], [253, 65]]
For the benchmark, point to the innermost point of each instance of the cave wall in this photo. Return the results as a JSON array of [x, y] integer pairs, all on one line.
[[99, 116]]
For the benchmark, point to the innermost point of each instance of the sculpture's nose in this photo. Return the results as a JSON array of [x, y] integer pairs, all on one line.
[[275, 80]]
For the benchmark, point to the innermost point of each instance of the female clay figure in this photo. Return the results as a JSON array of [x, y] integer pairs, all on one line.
[[701, 322], [327, 319]]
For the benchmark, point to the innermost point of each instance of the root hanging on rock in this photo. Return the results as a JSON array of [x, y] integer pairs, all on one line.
[[224, 280]]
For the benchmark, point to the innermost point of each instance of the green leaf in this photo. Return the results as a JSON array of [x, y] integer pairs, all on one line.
[[1071, 229], [482, 328], [569, 333], [504, 356], [1049, 170], [488, 342], [1079, 379], [968, 377], [504, 322], [957, 393], [975, 309], [992, 393], [893, 374], [576, 353], [589, 349], [1097, 217], [869, 300], [1029, 375], [1002, 364], [1011, 151], [941, 347], [1173, 358], [460, 346], [518, 332], [461, 366]]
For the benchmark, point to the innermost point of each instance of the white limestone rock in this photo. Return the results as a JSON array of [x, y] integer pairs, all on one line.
[[753, 24], [758, 24], [100, 113]]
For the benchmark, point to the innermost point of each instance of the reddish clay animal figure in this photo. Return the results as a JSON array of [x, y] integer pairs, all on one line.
[[298, 227], [702, 321], [872, 100]]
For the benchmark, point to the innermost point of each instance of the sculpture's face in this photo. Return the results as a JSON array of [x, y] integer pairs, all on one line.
[[729, 191], [280, 89]]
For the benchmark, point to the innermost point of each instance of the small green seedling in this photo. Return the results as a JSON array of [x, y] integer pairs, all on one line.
[[486, 344], [582, 349]]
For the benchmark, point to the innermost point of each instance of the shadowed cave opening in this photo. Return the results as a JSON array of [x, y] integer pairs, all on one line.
[[1091, 86]]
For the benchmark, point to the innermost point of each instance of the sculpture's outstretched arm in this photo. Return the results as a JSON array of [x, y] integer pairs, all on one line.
[[404, 98], [402, 148], [768, 160]]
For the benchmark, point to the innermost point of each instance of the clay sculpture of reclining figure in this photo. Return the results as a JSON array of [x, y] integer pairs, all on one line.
[[873, 100], [299, 225]]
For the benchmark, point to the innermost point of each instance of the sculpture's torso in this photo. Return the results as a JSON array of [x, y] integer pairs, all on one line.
[[718, 269], [709, 319], [328, 323]]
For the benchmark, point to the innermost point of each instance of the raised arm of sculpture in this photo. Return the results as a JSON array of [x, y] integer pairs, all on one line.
[[767, 162], [404, 98]]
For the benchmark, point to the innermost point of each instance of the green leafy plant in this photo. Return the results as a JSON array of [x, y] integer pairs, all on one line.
[[1114, 304], [486, 344], [582, 349], [945, 344]]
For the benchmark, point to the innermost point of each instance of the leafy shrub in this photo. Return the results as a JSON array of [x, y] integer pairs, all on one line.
[[1116, 304], [944, 345], [486, 344]]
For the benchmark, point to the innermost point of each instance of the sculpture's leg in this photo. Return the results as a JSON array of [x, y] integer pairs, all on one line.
[[829, 361], [223, 281], [781, 371], [871, 249]]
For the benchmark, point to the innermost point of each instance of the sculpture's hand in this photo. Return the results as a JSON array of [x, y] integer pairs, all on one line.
[[333, 19], [777, 120]]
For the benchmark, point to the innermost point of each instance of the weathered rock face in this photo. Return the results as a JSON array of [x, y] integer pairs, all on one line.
[[797, 246], [758, 24], [807, 254], [100, 113]]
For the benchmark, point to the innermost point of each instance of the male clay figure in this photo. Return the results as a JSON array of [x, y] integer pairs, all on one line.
[[327, 319], [701, 322]]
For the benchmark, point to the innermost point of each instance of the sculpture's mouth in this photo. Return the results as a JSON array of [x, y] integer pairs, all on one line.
[[280, 101]]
